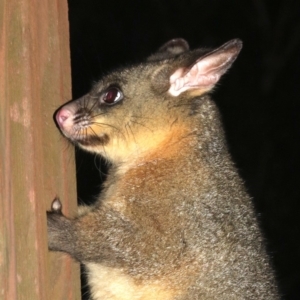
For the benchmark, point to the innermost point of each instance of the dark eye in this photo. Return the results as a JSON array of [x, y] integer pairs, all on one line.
[[111, 96]]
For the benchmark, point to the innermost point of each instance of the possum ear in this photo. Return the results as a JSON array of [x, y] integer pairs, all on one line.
[[170, 49], [206, 71]]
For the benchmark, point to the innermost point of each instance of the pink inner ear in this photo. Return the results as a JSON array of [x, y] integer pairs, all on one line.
[[201, 76], [206, 71]]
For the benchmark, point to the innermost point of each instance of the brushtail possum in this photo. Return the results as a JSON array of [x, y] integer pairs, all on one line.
[[174, 220]]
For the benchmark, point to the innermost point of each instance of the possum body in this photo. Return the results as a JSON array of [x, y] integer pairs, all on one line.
[[174, 220]]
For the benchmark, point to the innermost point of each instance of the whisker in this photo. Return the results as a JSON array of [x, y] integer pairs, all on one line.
[[92, 107], [142, 125], [104, 151], [94, 133], [141, 117], [85, 101], [100, 124], [98, 163], [85, 135], [126, 125], [132, 133], [100, 114]]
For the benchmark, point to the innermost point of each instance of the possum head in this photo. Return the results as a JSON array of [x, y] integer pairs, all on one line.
[[132, 111]]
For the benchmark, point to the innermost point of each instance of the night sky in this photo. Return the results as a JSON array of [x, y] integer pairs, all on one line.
[[258, 98]]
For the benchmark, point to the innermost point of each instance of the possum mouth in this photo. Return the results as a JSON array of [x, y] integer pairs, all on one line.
[[82, 133]]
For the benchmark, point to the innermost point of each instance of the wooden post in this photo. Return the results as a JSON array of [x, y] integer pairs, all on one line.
[[35, 162]]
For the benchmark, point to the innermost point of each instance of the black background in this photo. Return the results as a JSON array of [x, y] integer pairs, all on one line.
[[258, 98]]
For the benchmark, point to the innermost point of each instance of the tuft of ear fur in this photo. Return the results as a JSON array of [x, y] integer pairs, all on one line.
[[170, 49], [206, 71]]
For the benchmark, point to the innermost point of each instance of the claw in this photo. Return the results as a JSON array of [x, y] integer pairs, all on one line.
[[56, 206]]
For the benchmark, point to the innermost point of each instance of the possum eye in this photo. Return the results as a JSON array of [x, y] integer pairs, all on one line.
[[111, 96]]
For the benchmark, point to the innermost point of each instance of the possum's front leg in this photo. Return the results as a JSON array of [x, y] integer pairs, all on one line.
[[64, 233], [60, 232], [117, 252], [100, 234]]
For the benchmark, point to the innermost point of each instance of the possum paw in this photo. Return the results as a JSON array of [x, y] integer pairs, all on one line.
[[59, 228]]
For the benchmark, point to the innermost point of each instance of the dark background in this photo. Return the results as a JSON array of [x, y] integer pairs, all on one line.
[[258, 98]]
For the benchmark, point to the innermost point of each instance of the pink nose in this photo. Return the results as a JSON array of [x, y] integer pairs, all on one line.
[[63, 116]]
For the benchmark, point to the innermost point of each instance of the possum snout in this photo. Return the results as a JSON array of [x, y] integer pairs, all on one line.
[[76, 123], [65, 118]]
